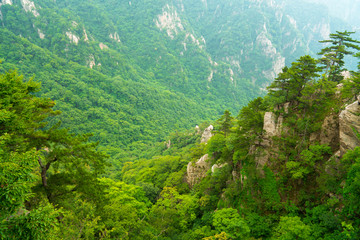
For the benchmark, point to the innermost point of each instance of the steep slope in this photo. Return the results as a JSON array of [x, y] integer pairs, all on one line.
[[176, 63], [119, 111]]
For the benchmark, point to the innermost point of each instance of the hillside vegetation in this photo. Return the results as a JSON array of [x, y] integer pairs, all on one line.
[[280, 169], [132, 72]]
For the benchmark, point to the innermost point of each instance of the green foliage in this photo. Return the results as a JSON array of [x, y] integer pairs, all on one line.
[[323, 222], [229, 221], [292, 81], [124, 211], [333, 55], [17, 176], [16, 179], [220, 236], [40, 223], [291, 228], [309, 159], [216, 145], [132, 91], [155, 171], [352, 186], [37, 159], [80, 220], [225, 123], [351, 87], [173, 213], [260, 226], [270, 190]]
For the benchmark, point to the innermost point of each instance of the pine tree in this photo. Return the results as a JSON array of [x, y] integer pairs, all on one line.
[[293, 80], [333, 55], [225, 122], [279, 87]]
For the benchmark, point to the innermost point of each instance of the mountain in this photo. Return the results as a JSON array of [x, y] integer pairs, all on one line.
[[286, 162], [287, 166], [132, 72]]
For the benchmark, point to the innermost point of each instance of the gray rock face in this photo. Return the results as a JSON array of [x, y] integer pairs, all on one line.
[[349, 124], [272, 127], [217, 166], [330, 132], [270, 124], [207, 134], [337, 131], [197, 171]]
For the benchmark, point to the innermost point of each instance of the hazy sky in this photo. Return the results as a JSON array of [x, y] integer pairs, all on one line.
[[348, 10]]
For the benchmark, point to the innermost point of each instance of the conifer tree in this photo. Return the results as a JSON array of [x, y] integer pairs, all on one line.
[[333, 56], [279, 87], [225, 122], [293, 80]]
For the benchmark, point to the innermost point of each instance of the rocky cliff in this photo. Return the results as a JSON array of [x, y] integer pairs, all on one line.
[[339, 131], [349, 127], [197, 170]]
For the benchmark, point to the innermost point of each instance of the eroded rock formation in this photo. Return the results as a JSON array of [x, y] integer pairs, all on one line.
[[206, 134], [349, 127], [339, 131], [197, 170]]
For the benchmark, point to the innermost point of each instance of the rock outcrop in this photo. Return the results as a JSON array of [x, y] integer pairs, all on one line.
[[349, 127], [272, 127], [103, 46], [170, 21], [339, 131], [207, 134], [196, 171], [329, 134], [73, 38], [29, 6]]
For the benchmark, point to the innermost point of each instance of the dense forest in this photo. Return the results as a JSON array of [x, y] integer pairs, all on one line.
[[132, 72], [116, 120], [281, 169]]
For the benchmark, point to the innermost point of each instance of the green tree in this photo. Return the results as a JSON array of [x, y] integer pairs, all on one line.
[[351, 88], [229, 221], [125, 210], [333, 56], [290, 228], [279, 88], [65, 160], [292, 81], [173, 213], [67, 163], [17, 177], [225, 123], [18, 163], [352, 187], [309, 162]]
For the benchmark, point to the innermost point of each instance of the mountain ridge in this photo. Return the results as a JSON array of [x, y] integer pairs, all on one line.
[[165, 45]]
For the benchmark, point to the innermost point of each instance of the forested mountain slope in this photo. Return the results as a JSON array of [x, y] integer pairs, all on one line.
[[286, 167], [133, 71]]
